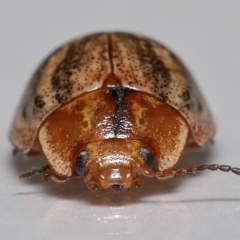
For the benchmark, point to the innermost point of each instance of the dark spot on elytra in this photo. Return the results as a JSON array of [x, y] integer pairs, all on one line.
[[59, 97], [29, 97], [38, 102], [186, 99], [163, 96], [185, 96]]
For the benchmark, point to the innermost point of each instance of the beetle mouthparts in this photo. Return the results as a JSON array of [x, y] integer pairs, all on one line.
[[116, 187]]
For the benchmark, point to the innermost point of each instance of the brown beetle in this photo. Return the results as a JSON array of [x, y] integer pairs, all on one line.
[[110, 107]]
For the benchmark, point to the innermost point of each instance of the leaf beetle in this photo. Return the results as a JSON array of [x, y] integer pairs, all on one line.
[[110, 107]]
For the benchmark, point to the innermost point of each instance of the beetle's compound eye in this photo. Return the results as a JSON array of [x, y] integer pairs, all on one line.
[[148, 158], [80, 163]]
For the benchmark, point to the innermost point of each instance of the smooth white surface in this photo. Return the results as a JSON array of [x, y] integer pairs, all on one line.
[[206, 35]]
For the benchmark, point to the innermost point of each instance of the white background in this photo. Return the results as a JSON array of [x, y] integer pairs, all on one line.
[[206, 35]]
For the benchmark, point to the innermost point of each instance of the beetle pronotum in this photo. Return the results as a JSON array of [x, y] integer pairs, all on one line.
[[110, 107]]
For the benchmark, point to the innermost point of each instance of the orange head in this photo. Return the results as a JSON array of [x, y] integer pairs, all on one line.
[[114, 163]]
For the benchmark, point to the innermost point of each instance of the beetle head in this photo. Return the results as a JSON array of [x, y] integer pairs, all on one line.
[[114, 163]]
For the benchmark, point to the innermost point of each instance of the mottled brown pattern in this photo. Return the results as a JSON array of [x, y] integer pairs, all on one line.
[[147, 66], [114, 114], [89, 63], [76, 68], [74, 59]]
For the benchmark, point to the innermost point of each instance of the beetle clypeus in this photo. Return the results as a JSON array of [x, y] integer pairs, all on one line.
[[110, 107]]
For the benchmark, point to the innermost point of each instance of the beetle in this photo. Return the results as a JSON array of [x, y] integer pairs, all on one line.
[[110, 107]]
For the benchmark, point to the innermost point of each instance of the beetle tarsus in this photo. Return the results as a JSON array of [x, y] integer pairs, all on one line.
[[47, 174], [34, 171]]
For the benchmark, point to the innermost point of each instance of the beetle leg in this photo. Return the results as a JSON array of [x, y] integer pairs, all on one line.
[[137, 183], [92, 185], [183, 171], [33, 171], [47, 174]]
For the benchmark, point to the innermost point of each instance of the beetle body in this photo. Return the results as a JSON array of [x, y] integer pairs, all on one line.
[[110, 107]]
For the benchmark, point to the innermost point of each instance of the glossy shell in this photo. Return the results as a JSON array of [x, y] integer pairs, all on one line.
[[96, 62]]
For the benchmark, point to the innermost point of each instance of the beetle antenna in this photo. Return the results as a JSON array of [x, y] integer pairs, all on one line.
[[33, 171], [183, 171]]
